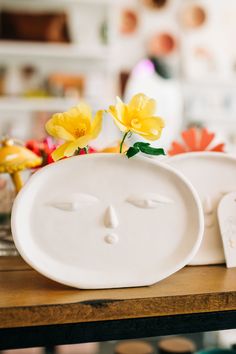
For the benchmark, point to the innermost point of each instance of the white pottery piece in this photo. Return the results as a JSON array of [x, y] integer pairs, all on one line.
[[104, 221], [227, 223], [213, 175]]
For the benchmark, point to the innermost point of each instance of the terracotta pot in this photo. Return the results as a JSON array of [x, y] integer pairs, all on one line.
[[129, 21], [155, 4], [161, 44], [193, 16]]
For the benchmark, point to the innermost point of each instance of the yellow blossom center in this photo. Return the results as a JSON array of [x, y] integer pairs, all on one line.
[[80, 132]]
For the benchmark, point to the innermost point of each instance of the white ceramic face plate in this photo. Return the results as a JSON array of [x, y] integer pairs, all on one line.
[[213, 175], [103, 221]]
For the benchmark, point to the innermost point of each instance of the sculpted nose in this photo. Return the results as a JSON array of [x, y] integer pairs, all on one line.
[[110, 218]]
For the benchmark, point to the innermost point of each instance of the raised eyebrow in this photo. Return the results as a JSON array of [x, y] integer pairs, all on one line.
[[148, 200], [73, 202]]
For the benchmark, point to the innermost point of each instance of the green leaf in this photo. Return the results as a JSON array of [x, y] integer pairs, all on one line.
[[140, 144], [147, 149], [132, 151], [152, 151]]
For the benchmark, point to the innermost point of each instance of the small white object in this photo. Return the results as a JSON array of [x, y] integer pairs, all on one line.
[[110, 218], [227, 222], [226, 338], [212, 174], [77, 248], [232, 242], [13, 82]]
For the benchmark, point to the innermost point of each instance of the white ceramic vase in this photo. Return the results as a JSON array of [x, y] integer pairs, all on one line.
[[106, 221], [213, 175]]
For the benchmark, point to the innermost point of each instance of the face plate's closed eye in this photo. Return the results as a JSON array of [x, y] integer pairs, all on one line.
[[148, 200], [74, 202]]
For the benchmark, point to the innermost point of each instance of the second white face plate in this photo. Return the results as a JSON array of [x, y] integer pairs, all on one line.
[[213, 175]]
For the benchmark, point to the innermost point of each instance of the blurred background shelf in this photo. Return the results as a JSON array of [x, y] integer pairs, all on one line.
[[55, 3], [36, 104], [179, 52], [51, 50]]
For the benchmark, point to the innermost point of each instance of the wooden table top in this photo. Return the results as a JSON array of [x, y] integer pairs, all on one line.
[[29, 299]]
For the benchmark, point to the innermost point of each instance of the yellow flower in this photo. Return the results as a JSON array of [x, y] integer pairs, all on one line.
[[138, 117], [75, 127]]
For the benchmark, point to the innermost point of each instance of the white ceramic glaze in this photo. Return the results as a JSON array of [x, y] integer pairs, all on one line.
[[110, 242], [213, 175], [227, 223]]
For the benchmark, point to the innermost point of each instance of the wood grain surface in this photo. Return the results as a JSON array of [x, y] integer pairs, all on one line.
[[29, 299]]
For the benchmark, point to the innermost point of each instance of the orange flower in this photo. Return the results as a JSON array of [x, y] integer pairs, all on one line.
[[195, 139]]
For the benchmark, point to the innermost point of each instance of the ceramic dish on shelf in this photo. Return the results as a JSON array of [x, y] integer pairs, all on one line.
[[213, 175], [104, 221]]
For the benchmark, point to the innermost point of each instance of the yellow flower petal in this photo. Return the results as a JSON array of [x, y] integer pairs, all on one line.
[[121, 126], [96, 124], [121, 111], [113, 112], [59, 152], [54, 128], [74, 145], [82, 109], [149, 128], [142, 105]]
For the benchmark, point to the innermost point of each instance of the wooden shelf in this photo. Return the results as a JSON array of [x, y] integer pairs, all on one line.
[[35, 311], [27, 298], [51, 50]]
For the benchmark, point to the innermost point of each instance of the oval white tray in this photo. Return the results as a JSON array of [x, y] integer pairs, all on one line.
[[103, 221], [213, 175]]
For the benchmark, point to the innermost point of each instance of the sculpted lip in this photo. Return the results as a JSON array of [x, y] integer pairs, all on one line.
[[111, 238]]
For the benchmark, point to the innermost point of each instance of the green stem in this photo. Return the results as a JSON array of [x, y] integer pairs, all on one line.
[[86, 150], [123, 140]]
